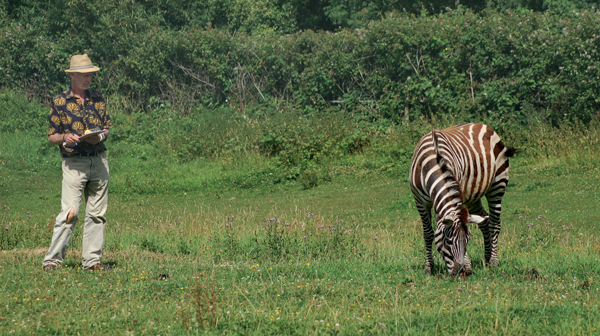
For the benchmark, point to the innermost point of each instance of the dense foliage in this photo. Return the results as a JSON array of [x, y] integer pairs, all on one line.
[[284, 16], [479, 61]]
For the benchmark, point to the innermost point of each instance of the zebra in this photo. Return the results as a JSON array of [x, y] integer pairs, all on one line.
[[451, 171]]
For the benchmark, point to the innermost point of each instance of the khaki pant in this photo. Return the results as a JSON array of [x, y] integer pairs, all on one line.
[[82, 176]]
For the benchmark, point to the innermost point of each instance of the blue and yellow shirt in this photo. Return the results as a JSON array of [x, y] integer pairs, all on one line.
[[68, 115]]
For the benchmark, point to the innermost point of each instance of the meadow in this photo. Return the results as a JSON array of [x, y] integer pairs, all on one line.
[[239, 244]]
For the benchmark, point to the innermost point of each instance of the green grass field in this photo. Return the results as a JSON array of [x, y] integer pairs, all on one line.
[[346, 257]]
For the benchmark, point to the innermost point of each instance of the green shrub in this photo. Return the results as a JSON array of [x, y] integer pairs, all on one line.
[[18, 113], [505, 65]]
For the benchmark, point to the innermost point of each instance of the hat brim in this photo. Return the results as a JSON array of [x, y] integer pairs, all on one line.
[[86, 70]]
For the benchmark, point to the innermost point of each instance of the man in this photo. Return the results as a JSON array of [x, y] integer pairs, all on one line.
[[74, 113]]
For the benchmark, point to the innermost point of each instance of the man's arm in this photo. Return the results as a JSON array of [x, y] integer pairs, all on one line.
[[59, 138]]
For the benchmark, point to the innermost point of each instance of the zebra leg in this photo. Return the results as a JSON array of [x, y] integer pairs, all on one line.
[[467, 269], [428, 234], [494, 198], [494, 228], [478, 209]]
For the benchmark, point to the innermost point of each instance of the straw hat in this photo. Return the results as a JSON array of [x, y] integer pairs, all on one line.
[[82, 63]]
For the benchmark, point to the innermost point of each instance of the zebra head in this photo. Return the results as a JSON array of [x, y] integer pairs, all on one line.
[[451, 238]]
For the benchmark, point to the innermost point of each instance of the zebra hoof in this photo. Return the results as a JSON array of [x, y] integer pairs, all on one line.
[[428, 270], [467, 270], [493, 262]]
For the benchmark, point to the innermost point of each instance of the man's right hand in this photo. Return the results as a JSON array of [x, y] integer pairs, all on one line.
[[71, 139]]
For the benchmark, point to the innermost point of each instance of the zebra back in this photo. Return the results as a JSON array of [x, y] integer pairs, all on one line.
[[457, 166]]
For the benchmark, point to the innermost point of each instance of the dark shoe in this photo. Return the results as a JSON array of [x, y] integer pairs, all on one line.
[[49, 267], [99, 267], [162, 277]]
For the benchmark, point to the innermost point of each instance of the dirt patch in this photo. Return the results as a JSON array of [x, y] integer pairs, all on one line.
[[35, 251], [128, 254]]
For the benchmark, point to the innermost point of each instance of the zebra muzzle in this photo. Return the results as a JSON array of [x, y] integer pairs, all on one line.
[[460, 269]]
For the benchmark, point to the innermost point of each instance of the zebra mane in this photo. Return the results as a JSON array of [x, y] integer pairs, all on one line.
[[442, 161], [451, 179]]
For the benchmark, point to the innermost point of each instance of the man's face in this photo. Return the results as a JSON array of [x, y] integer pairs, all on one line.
[[81, 80]]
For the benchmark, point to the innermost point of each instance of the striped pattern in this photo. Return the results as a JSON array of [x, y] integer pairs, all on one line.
[[451, 171]]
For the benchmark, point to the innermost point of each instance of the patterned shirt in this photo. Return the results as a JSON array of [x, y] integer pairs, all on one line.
[[68, 115]]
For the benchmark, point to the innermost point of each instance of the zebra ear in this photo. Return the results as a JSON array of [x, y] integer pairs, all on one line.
[[448, 222], [477, 219]]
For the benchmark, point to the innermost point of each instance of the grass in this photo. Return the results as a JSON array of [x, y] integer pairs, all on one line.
[[235, 266], [225, 246]]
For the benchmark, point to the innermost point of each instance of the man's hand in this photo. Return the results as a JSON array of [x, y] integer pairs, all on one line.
[[71, 139], [98, 138], [60, 138], [95, 139]]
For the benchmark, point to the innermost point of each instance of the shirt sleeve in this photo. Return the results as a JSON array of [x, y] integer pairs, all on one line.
[[100, 106], [55, 125], [105, 117]]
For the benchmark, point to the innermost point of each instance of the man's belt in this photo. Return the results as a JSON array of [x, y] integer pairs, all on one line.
[[84, 154]]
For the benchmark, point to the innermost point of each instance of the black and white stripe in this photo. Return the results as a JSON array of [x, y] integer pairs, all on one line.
[[451, 171]]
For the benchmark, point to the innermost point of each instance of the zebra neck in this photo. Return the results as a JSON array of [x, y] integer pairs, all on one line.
[[445, 194]]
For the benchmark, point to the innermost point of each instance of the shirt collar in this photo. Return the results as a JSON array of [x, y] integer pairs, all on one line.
[[70, 95]]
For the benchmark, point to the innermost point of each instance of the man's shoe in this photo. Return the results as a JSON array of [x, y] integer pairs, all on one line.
[[99, 267], [49, 267]]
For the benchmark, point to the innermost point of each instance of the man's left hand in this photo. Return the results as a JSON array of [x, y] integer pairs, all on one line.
[[94, 140]]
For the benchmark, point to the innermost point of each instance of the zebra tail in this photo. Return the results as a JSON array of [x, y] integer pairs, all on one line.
[[510, 151]]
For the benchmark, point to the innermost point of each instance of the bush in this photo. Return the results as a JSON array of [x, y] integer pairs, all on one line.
[[18, 113], [489, 63]]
